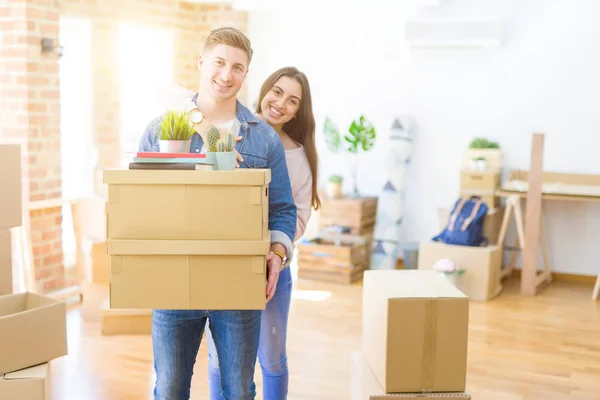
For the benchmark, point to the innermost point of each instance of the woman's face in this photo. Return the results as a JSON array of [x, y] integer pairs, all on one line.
[[282, 102]]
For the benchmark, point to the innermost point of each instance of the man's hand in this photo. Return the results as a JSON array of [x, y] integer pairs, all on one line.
[[239, 156], [273, 268]]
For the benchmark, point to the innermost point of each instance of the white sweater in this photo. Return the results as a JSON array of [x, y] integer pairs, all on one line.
[[301, 180]]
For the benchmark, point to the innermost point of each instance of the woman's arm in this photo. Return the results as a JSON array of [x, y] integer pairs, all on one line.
[[303, 200]]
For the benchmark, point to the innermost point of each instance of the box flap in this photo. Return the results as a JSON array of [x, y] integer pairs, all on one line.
[[36, 372], [189, 247], [413, 284], [240, 176]]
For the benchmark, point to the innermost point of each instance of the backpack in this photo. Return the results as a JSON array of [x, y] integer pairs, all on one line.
[[465, 226]]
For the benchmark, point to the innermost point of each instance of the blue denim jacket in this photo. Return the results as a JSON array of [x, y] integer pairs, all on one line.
[[260, 147]]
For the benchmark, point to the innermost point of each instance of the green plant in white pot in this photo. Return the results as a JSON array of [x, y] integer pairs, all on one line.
[[212, 137], [175, 132], [360, 137], [485, 154], [334, 186]]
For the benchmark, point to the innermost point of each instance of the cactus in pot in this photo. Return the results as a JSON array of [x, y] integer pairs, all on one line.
[[226, 156]]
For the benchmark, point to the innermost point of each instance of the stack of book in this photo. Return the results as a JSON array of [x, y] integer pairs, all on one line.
[[185, 161]]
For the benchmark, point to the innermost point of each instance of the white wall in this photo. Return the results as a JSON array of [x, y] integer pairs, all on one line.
[[544, 79]]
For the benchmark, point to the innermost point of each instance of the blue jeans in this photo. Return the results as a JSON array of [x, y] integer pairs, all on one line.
[[272, 353], [176, 336]]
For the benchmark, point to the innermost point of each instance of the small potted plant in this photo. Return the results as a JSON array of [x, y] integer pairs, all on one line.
[[213, 136], [226, 157], [175, 132], [478, 164], [449, 269], [481, 148], [334, 186]]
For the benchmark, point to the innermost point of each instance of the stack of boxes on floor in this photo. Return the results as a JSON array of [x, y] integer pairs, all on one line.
[[414, 342], [91, 216], [32, 326], [481, 280], [182, 239], [335, 256]]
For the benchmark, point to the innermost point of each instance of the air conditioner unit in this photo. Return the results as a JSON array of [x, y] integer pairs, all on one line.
[[475, 33]]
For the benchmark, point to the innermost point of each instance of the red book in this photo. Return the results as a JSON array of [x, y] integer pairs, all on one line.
[[149, 154]]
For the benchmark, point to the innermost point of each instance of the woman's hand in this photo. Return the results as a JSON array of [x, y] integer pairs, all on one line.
[[274, 263]]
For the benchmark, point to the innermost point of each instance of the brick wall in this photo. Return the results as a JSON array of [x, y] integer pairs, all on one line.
[[31, 113], [30, 97]]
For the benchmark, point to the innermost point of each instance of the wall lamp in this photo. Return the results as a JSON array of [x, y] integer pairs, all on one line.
[[49, 47]]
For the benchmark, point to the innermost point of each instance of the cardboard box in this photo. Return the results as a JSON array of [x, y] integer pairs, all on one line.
[[94, 295], [6, 281], [188, 274], [364, 385], [27, 384], [491, 224], [494, 159], [100, 263], [125, 322], [33, 330], [415, 331], [488, 180], [11, 212], [188, 205], [481, 280]]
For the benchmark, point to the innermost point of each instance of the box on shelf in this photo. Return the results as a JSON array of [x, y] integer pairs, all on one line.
[[31, 383], [481, 280], [125, 322], [494, 159], [333, 258], [11, 212], [188, 205], [6, 280], [484, 181], [364, 385], [358, 214], [491, 224], [415, 331], [32, 330]]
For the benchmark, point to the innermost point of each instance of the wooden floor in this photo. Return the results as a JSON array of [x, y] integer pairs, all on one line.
[[541, 348]]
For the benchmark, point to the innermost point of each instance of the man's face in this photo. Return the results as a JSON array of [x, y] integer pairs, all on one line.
[[223, 70]]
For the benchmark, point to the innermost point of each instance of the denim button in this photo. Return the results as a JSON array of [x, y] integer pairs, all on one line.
[[197, 150]]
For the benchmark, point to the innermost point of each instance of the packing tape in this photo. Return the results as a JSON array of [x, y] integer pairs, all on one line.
[[429, 346]]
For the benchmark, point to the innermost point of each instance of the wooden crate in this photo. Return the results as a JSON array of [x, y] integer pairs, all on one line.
[[358, 214], [321, 259]]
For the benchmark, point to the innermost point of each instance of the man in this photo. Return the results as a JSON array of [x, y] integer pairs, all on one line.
[[176, 334]]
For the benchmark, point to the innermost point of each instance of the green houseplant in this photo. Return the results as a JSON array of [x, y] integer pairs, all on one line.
[[175, 132], [360, 137], [334, 186]]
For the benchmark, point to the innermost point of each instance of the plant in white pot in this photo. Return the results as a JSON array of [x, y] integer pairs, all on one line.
[[449, 269], [175, 132], [360, 137], [485, 154], [213, 136], [334, 186]]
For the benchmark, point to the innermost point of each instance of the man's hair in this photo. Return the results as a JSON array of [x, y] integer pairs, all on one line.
[[231, 37]]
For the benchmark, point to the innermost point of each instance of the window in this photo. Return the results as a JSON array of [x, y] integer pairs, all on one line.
[[145, 57], [77, 146]]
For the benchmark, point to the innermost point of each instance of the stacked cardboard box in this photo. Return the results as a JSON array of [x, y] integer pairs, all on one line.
[[11, 211], [482, 182], [415, 331], [335, 257], [188, 239], [32, 327]]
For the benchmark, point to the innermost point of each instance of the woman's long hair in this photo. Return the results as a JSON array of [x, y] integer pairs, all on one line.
[[302, 128]]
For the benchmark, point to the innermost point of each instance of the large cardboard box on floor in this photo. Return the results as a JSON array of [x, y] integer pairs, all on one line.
[[364, 385], [6, 281], [481, 280], [11, 209], [33, 330], [27, 384], [415, 330], [188, 239], [125, 322]]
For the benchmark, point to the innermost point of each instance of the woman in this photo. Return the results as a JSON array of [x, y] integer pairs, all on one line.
[[285, 103]]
